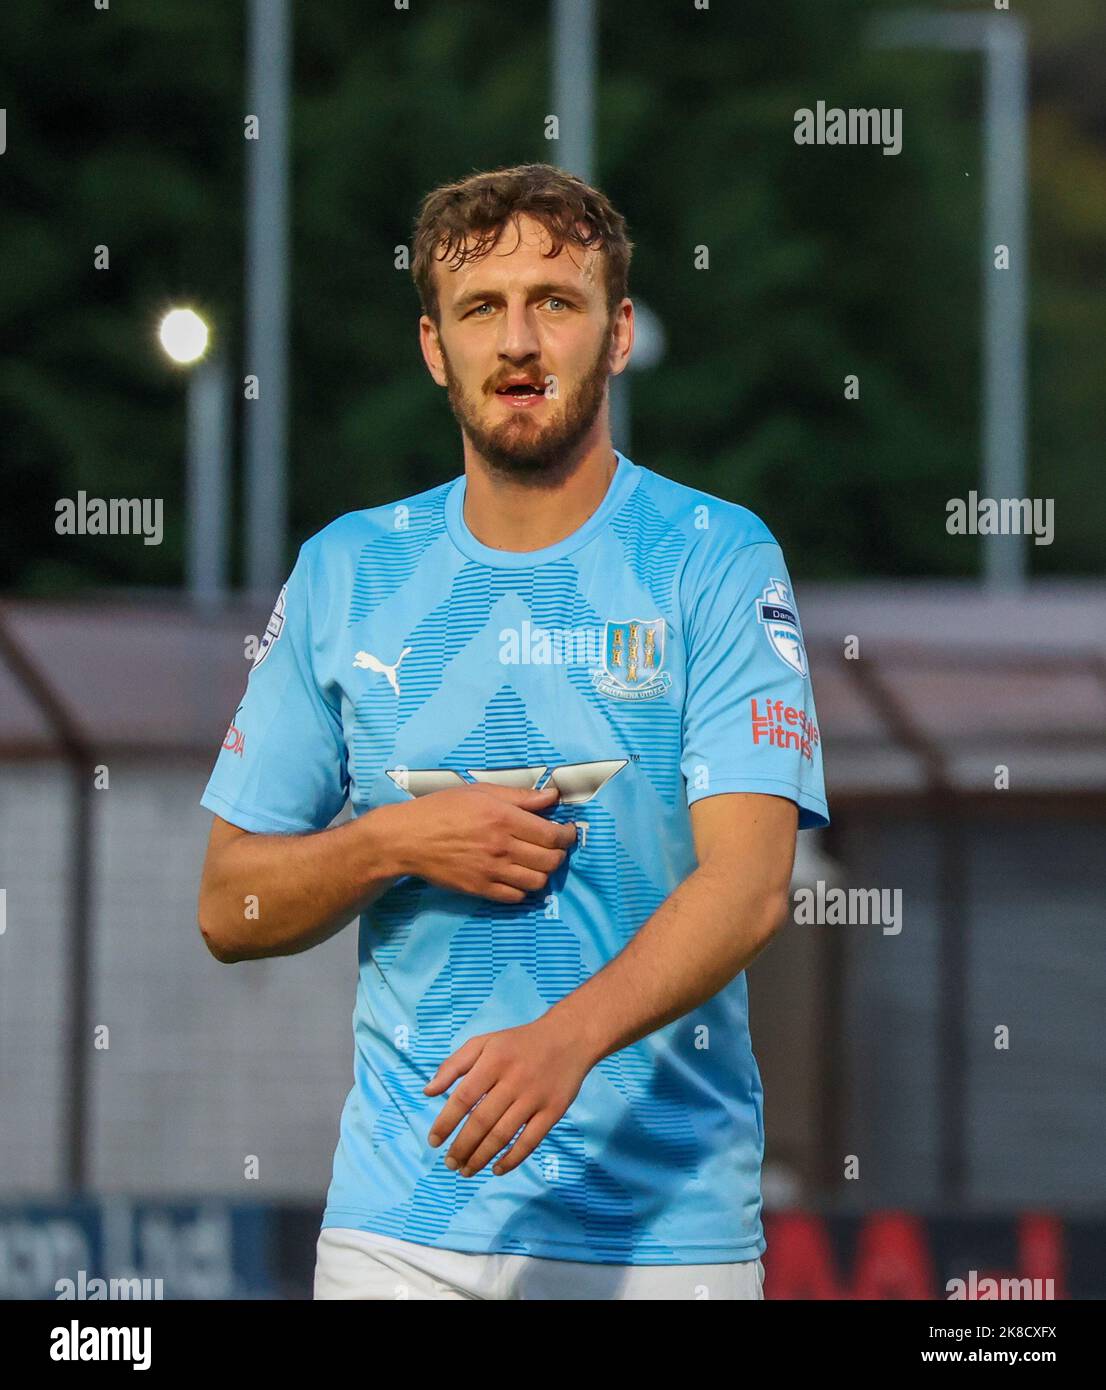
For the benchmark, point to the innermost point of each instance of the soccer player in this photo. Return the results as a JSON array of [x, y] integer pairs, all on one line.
[[568, 701]]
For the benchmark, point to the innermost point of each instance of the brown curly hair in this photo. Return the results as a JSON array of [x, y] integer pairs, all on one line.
[[481, 205]]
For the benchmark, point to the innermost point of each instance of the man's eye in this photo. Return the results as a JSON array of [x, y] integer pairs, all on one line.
[[557, 301], [481, 306]]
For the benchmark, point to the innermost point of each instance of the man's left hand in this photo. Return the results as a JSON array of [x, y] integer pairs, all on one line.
[[519, 1078]]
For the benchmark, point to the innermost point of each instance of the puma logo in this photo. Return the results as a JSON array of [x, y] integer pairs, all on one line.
[[365, 661]]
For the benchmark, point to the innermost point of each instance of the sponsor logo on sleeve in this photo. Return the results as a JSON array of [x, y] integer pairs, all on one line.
[[234, 740], [782, 726], [777, 614], [272, 631]]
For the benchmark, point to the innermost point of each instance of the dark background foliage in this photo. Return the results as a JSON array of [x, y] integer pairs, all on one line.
[[125, 129]]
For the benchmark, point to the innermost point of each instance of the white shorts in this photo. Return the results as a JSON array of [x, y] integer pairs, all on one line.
[[361, 1264]]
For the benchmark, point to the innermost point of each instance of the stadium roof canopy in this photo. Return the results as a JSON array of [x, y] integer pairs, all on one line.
[[942, 685]]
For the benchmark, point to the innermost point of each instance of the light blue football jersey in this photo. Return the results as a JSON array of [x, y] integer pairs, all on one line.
[[653, 657]]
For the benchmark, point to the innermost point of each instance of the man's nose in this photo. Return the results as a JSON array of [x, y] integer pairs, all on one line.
[[519, 338]]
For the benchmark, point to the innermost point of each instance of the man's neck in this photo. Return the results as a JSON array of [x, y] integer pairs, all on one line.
[[504, 514]]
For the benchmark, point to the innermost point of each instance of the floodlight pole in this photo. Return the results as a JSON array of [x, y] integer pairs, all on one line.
[[574, 45], [208, 473], [575, 24], [1002, 41], [265, 433]]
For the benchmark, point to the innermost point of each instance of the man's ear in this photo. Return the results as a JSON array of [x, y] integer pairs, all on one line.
[[622, 337], [430, 344]]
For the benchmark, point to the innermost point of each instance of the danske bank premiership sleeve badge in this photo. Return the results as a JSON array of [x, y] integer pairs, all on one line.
[[632, 659], [272, 630], [776, 611]]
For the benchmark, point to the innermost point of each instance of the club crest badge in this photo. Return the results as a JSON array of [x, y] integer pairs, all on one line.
[[780, 620], [272, 631], [633, 654]]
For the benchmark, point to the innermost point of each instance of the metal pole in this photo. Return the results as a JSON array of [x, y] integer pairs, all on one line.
[[951, 1053], [79, 985], [269, 43], [1004, 314], [208, 473], [955, 968], [575, 48], [1002, 41]]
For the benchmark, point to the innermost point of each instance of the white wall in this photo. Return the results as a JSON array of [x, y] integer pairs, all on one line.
[[207, 1063]]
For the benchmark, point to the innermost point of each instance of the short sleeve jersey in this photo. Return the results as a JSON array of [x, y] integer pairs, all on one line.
[[653, 657]]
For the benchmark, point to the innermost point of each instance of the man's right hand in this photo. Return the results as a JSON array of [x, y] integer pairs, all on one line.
[[485, 839]]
